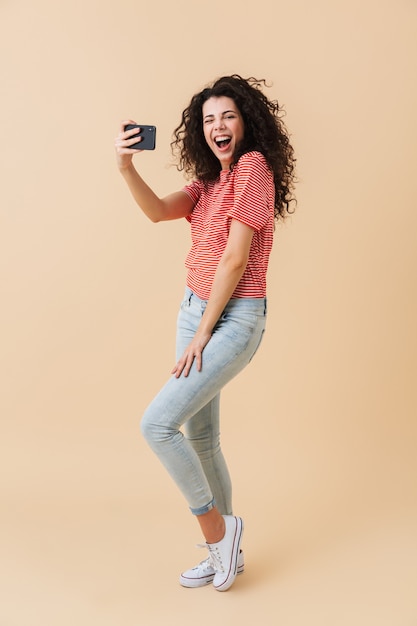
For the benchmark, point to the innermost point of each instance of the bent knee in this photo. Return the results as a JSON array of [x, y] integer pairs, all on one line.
[[148, 427], [144, 427], [154, 430]]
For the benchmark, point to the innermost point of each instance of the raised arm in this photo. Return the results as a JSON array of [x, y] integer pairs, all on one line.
[[171, 207]]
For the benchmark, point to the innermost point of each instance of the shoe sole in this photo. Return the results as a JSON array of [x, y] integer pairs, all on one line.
[[193, 583]]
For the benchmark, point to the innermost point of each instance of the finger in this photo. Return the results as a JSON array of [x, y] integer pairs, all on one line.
[[199, 361], [178, 368], [123, 146], [125, 136], [132, 132], [175, 369], [124, 123], [132, 141], [188, 365], [121, 150], [184, 365]]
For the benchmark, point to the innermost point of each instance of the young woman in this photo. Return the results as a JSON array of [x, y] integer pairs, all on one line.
[[233, 143]]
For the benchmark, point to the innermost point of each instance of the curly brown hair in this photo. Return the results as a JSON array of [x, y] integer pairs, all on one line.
[[264, 132]]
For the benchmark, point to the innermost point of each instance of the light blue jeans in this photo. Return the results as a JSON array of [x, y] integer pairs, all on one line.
[[193, 457]]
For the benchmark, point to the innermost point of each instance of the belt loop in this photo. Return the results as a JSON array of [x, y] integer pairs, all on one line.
[[265, 306]]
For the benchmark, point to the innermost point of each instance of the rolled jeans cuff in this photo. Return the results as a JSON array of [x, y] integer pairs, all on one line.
[[203, 509]]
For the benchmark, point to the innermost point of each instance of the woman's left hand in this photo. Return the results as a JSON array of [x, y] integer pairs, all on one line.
[[194, 351]]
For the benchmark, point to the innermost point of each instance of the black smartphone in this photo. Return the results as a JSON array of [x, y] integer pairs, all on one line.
[[147, 134]]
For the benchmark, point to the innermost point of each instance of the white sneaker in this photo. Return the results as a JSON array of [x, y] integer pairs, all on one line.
[[203, 573], [225, 553]]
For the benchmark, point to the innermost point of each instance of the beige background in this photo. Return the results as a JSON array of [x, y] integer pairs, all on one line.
[[320, 431]]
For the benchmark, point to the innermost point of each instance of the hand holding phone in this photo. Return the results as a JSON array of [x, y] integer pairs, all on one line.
[[147, 135]]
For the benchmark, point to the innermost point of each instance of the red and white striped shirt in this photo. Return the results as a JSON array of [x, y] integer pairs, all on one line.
[[246, 193]]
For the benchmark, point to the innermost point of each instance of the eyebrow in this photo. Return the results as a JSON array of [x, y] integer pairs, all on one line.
[[223, 113]]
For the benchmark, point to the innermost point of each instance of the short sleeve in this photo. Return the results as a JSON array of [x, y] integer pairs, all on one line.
[[193, 190], [253, 191]]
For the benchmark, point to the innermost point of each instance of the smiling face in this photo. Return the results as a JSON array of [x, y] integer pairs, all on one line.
[[223, 128]]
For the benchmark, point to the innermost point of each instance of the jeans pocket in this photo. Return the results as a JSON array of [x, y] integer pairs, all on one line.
[[185, 303], [236, 322]]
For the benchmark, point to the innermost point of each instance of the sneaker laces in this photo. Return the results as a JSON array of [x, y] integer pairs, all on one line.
[[207, 563], [215, 558]]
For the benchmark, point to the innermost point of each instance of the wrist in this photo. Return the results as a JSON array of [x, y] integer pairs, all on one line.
[[205, 328], [127, 169]]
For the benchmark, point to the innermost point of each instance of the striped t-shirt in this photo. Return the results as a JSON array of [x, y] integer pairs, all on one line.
[[245, 193]]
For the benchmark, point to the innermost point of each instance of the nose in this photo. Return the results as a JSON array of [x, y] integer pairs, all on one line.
[[218, 123]]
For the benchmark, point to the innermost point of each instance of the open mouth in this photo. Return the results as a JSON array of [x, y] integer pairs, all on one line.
[[222, 141]]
